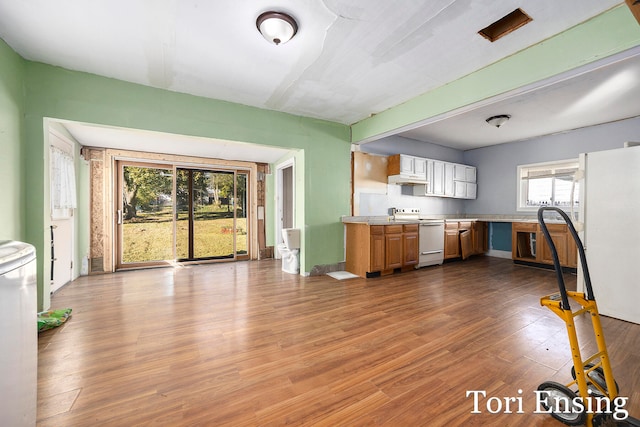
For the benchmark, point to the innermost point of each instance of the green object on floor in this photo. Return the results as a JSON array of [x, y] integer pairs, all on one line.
[[52, 318]]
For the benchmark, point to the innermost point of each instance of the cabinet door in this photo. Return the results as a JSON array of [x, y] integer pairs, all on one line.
[[410, 248], [470, 174], [376, 262], [459, 173], [406, 165], [393, 251], [429, 174], [451, 243], [438, 178], [471, 190], [460, 189], [449, 189], [560, 241], [420, 167]]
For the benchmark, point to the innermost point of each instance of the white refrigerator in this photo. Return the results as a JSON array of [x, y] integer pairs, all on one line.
[[19, 334], [610, 223]]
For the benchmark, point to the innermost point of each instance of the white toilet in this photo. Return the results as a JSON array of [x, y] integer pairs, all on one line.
[[290, 250]]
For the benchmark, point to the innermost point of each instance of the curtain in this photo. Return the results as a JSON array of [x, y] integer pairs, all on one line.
[[63, 180]]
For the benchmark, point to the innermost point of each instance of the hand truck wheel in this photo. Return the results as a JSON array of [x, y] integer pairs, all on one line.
[[596, 376], [559, 402]]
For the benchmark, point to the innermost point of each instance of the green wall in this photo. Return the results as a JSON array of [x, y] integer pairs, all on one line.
[[62, 94], [12, 203]]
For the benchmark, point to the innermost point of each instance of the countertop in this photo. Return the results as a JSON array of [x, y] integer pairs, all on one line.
[[383, 219]]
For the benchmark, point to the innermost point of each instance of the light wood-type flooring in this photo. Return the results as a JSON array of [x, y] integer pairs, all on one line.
[[245, 344]]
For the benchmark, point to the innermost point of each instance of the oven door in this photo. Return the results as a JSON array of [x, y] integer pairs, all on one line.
[[431, 243]]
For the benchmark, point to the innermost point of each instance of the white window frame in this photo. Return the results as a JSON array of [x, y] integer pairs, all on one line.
[[521, 183]]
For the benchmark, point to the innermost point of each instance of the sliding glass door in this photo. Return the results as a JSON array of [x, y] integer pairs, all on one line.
[[145, 216], [199, 215]]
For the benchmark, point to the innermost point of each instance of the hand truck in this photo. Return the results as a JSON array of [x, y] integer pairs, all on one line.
[[593, 404]]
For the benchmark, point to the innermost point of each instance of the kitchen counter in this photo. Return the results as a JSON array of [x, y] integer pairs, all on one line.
[[383, 219], [376, 220]]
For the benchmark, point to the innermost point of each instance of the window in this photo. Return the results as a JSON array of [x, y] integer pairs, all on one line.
[[548, 184]]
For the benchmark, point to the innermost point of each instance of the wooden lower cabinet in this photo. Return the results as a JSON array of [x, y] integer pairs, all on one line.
[[464, 238], [393, 250], [451, 243], [529, 245], [410, 244], [373, 249], [377, 258]]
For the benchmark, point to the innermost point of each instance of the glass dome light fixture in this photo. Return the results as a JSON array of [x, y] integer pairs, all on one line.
[[277, 27], [498, 120]]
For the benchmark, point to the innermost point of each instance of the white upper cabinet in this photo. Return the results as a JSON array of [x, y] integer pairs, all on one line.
[[449, 182], [438, 178], [420, 166], [406, 164], [432, 177], [403, 169]]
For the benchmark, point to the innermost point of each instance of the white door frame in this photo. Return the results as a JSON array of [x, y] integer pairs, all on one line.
[[279, 199], [64, 249]]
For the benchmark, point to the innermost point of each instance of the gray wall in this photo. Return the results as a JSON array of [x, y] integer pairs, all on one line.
[[399, 145], [497, 165]]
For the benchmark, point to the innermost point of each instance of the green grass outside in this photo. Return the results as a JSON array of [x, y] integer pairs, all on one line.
[[149, 236]]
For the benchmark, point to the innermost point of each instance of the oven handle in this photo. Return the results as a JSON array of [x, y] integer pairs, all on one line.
[[430, 252]]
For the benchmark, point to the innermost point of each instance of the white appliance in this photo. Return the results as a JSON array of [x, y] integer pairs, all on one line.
[[19, 337], [290, 250], [610, 219], [430, 235]]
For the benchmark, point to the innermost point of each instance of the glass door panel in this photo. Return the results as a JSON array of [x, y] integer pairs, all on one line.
[[205, 228], [146, 232], [241, 206]]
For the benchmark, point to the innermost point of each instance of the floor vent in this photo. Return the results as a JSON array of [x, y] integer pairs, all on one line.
[[505, 25]]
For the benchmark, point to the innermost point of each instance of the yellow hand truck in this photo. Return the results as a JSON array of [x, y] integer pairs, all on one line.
[[597, 402]]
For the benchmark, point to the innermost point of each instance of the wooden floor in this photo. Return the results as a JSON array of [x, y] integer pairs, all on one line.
[[244, 344]]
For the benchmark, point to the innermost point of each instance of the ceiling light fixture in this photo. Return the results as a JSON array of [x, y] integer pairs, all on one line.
[[498, 120], [277, 27]]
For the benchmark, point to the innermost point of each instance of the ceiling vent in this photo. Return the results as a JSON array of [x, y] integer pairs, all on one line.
[[505, 25]]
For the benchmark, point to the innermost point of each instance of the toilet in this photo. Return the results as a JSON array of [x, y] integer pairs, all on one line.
[[290, 250]]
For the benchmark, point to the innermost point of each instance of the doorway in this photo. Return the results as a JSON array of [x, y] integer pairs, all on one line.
[[173, 213], [62, 228], [285, 199]]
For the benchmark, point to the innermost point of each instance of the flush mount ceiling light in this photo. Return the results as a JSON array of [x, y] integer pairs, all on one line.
[[498, 120], [277, 27]]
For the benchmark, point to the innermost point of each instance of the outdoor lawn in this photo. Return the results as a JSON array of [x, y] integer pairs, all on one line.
[[149, 236]]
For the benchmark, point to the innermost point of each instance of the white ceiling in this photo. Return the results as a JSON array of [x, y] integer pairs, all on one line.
[[350, 59]]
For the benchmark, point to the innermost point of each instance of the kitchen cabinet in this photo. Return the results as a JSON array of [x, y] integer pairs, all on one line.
[[438, 178], [380, 249], [529, 246], [465, 186], [432, 177], [393, 247], [377, 245], [449, 182], [410, 244], [465, 238], [409, 167]]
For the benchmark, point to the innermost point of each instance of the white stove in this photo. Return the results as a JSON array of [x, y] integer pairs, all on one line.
[[431, 234]]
